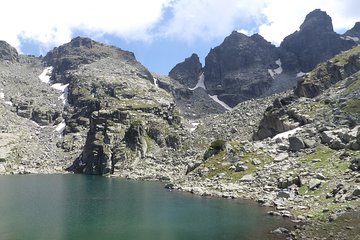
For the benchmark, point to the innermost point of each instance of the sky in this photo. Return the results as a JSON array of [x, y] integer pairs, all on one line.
[[161, 33]]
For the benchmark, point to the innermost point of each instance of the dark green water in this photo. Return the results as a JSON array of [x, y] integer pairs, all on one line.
[[87, 207]]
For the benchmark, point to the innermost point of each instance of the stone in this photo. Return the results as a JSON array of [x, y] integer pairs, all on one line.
[[2, 169], [281, 157], [320, 176], [283, 194], [314, 184], [256, 162], [247, 178], [310, 143], [240, 167], [296, 143], [280, 231], [356, 192]]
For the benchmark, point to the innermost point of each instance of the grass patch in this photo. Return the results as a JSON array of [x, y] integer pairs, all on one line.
[[219, 164], [352, 107]]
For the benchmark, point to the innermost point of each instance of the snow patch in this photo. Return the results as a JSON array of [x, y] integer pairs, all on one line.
[[8, 103], [46, 75], [276, 71], [287, 134], [64, 96], [300, 74], [200, 83], [156, 82], [279, 70], [59, 86], [355, 39], [272, 73], [216, 99], [60, 128]]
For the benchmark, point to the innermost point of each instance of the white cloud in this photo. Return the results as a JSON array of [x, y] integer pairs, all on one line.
[[206, 19], [53, 22]]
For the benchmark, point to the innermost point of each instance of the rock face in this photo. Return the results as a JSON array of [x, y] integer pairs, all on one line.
[[187, 72], [114, 103], [315, 42], [329, 73], [237, 70], [7, 52]]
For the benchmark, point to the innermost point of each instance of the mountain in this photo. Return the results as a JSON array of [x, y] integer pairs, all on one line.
[[315, 42], [245, 67], [187, 72], [237, 70]]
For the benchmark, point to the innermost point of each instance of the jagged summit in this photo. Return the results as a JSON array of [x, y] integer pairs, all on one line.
[[315, 42], [7, 52], [188, 71], [317, 20], [237, 69], [353, 33]]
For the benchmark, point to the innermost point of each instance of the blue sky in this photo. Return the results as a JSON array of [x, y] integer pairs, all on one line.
[[161, 33]]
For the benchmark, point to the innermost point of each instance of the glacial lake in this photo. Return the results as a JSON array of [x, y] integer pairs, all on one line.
[[90, 207]]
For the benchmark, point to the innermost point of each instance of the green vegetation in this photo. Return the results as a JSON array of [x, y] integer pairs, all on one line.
[[218, 145], [220, 163], [352, 107]]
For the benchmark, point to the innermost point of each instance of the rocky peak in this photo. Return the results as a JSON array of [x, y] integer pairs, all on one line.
[[315, 42], [237, 69], [84, 51], [7, 52], [188, 71], [354, 33], [317, 20]]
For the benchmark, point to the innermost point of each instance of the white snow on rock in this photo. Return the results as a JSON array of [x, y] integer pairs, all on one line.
[[287, 134], [8, 103], [355, 39], [2, 95], [200, 83], [60, 128], [64, 96], [216, 99], [59, 86], [300, 74], [46, 75], [279, 70], [156, 82], [272, 73], [276, 71]]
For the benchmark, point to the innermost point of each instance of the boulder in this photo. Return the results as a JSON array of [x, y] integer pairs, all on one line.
[[314, 184], [247, 178], [281, 157], [296, 143], [356, 192]]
